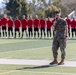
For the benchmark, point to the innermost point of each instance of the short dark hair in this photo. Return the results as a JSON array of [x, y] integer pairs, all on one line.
[[57, 12]]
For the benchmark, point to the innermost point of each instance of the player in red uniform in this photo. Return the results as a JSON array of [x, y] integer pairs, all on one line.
[[73, 26], [4, 22], [30, 26], [49, 24], [0, 27], [36, 25], [68, 20], [52, 24], [42, 25], [24, 23], [10, 26], [17, 23]]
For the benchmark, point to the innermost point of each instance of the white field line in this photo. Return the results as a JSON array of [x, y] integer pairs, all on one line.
[[35, 62]]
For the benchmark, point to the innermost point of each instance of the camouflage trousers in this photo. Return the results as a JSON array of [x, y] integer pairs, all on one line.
[[59, 43]]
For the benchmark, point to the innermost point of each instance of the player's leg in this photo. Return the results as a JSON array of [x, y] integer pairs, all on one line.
[[44, 32], [38, 32], [22, 33], [62, 43], [18, 32], [0, 31], [31, 30], [69, 32], [8, 32], [35, 32], [55, 47], [3, 30], [15, 33], [75, 32], [41, 32], [72, 32], [47, 32], [50, 32]]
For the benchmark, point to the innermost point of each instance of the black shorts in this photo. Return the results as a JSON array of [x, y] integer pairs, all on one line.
[[23, 29], [36, 29], [73, 30], [48, 29], [42, 29], [30, 29], [3, 27], [10, 29], [17, 30]]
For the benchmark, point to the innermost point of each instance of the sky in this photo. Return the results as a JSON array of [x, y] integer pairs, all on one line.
[[1, 1]]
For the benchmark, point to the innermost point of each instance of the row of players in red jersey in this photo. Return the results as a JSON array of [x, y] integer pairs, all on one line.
[[71, 25], [34, 23], [26, 23]]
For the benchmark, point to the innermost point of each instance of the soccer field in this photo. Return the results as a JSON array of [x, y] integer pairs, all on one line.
[[34, 49]]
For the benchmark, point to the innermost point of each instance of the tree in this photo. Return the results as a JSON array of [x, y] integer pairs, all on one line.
[[17, 8], [50, 11]]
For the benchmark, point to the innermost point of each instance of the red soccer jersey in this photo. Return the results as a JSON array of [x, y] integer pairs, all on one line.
[[0, 23], [17, 24], [10, 23], [73, 24], [42, 23], [24, 23], [68, 22], [4, 21], [36, 23], [53, 21], [49, 24], [30, 23]]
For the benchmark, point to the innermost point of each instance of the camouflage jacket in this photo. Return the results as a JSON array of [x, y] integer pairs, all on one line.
[[60, 28]]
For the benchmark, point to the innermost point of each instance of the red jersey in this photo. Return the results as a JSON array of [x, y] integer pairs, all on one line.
[[68, 22], [17, 23], [49, 24], [42, 23], [30, 23], [36, 23], [53, 21], [4, 21], [73, 23], [10, 23], [0, 23], [24, 23]]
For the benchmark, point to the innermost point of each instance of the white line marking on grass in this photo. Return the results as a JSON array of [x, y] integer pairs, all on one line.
[[35, 62]]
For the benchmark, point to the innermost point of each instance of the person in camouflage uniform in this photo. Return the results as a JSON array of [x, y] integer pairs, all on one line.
[[59, 39]]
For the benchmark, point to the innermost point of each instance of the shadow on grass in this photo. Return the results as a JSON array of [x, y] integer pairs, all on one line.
[[37, 67]]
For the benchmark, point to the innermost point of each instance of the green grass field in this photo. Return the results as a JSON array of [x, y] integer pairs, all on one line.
[[34, 49]]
